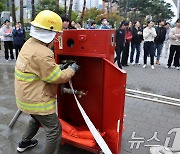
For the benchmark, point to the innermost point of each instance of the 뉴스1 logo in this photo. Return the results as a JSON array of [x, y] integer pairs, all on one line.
[[136, 142]]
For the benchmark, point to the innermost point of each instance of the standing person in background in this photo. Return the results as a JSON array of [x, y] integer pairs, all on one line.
[[8, 40], [167, 40], [22, 29], [104, 24], [149, 34], [135, 42], [130, 25], [175, 45], [18, 38], [159, 40], [93, 26], [65, 22], [120, 41], [125, 53], [72, 25], [79, 26]]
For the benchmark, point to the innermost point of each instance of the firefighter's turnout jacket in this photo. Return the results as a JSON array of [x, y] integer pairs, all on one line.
[[36, 78]]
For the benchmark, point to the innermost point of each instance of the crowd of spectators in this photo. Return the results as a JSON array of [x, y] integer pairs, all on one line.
[[130, 37]]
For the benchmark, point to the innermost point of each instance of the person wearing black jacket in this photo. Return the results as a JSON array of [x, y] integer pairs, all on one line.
[[125, 53], [120, 41], [159, 40], [135, 42], [18, 38]]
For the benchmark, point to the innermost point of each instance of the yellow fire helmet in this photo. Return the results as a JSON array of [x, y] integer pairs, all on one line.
[[48, 20]]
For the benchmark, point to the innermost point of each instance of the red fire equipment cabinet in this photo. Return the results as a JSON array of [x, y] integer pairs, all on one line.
[[99, 83]]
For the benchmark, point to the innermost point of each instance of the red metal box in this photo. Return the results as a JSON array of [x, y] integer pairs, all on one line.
[[103, 83]]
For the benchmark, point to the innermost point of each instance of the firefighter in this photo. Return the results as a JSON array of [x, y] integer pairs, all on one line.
[[36, 79]]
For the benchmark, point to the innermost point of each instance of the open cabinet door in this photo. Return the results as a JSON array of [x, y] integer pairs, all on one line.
[[113, 105]]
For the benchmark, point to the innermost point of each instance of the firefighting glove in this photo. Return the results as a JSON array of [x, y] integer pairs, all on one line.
[[74, 66], [64, 66]]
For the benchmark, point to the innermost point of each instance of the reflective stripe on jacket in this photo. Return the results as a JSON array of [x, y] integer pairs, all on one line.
[[36, 78]]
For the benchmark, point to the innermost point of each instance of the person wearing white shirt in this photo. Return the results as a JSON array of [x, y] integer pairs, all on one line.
[[149, 34], [175, 46], [167, 39], [8, 40]]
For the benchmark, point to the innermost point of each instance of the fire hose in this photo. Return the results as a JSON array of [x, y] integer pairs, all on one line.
[[100, 141]]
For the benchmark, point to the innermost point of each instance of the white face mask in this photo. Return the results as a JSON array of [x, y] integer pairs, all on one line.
[[43, 35], [105, 22]]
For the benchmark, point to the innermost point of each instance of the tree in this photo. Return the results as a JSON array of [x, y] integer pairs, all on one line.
[[2, 5], [51, 5], [93, 14], [135, 9], [21, 13], [46, 4], [13, 12], [83, 11], [114, 19], [161, 9], [65, 7], [74, 16], [33, 10], [57, 6], [70, 9]]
